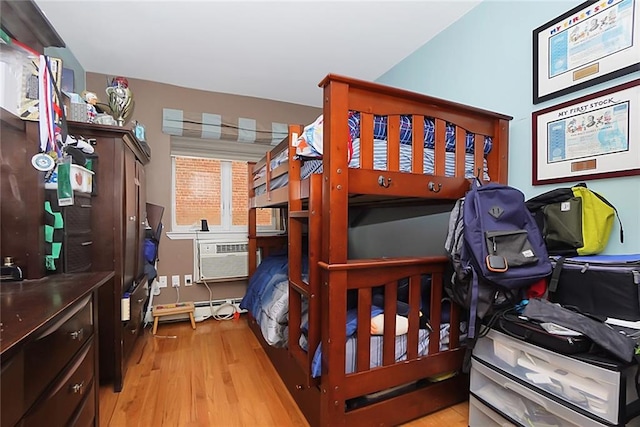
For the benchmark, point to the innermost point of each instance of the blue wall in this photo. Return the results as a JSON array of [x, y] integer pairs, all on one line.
[[485, 59]]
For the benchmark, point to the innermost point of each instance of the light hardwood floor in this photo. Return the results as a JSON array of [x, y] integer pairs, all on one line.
[[216, 375]]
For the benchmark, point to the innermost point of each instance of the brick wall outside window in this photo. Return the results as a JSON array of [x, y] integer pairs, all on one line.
[[197, 193]]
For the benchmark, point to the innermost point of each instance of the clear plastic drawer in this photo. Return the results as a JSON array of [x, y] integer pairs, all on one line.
[[480, 415], [521, 403], [592, 388]]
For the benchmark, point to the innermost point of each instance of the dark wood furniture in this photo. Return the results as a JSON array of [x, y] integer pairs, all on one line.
[[21, 185], [318, 212], [118, 230], [117, 220], [49, 350]]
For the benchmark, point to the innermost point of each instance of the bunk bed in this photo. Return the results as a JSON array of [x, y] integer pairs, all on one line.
[[327, 351]]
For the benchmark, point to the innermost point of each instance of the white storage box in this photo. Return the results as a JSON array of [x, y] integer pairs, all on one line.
[[586, 386], [520, 403], [81, 179]]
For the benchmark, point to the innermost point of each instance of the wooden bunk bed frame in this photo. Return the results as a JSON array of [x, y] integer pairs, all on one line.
[[318, 206]]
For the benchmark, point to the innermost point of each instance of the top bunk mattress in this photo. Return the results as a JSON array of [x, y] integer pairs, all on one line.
[[309, 147], [310, 166]]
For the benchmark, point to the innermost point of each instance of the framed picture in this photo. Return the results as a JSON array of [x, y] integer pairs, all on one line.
[[595, 136], [592, 43]]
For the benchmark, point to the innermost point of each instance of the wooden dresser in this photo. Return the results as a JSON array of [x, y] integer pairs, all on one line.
[[104, 232], [49, 350]]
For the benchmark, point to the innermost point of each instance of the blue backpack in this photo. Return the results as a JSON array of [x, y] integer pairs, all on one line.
[[496, 250]]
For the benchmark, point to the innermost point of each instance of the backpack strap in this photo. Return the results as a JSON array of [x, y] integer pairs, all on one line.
[[636, 357], [555, 276], [473, 307]]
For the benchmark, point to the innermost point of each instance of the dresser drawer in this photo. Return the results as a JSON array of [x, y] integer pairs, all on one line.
[[12, 390], [583, 385], [54, 348], [62, 400], [133, 327], [480, 415], [520, 403], [85, 415]]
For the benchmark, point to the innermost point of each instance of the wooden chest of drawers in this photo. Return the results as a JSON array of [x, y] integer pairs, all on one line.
[[49, 351]]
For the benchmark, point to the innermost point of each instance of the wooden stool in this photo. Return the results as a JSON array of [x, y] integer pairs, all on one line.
[[169, 309]]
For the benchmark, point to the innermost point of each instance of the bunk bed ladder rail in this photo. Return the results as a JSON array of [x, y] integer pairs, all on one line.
[[298, 288]]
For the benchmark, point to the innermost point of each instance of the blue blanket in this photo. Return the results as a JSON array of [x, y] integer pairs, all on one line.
[[267, 299]]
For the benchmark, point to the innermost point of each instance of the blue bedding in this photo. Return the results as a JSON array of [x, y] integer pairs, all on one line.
[[380, 132], [267, 299]]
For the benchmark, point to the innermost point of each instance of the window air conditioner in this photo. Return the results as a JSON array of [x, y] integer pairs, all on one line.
[[218, 261]]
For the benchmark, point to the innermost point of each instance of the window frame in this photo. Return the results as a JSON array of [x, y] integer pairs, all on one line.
[[224, 151]]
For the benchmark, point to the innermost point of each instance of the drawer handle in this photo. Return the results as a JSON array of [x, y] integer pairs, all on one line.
[[85, 206], [132, 218], [77, 335], [78, 388], [141, 300], [133, 331], [86, 243]]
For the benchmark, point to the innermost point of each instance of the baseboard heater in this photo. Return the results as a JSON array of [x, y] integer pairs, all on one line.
[[203, 310]]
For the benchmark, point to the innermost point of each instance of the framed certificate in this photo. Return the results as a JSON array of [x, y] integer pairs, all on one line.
[[596, 136], [592, 43]]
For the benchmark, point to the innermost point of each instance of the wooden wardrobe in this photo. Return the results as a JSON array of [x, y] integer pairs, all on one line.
[[118, 228]]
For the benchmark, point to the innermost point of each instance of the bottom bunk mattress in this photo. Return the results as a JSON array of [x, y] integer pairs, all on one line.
[[376, 349], [267, 299], [379, 163]]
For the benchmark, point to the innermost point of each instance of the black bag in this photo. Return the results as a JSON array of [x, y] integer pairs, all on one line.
[[610, 339], [532, 332], [600, 285]]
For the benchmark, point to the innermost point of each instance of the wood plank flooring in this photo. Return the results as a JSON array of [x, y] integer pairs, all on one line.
[[215, 375]]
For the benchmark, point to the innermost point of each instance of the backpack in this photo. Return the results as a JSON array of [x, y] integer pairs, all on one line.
[[496, 251], [574, 221]]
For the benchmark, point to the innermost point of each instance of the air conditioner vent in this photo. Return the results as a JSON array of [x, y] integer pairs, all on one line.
[[231, 248]]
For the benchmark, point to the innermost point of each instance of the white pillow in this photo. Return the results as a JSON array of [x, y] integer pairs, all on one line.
[[377, 325]]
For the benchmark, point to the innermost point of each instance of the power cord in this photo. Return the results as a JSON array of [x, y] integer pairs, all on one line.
[[215, 311]]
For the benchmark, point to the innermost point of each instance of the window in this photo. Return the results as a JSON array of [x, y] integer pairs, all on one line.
[[211, 183]]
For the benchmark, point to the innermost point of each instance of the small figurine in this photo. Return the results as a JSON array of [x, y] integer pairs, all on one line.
[[91, 99]]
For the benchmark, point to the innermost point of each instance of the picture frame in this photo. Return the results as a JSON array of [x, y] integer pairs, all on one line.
[[592, 137], [594, 42]]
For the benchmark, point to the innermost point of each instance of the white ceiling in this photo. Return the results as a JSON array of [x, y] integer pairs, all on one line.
[[266, 49]]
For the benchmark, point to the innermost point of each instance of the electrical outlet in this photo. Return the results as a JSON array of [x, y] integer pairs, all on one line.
[[175, 281], [162, 281], [187, 280]]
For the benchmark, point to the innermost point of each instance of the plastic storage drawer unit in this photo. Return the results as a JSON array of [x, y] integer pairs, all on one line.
[[573, 382], [520, 403]]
